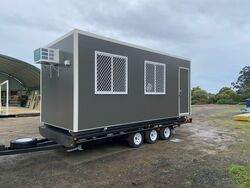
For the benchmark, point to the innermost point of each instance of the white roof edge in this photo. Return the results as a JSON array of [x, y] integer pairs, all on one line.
[[61, 38], [115, 41]]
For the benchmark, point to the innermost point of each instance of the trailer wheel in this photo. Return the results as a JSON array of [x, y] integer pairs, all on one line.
[[22, 143], [135, 140], [165, 133], [151, 136]]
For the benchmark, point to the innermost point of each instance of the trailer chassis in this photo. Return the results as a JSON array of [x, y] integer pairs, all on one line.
[[56, 138], [42, 145]]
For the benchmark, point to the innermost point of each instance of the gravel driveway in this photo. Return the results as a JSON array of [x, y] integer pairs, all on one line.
[[198, 156]]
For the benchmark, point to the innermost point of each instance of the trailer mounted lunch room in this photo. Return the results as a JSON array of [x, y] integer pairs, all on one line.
[[92, 85], [95, 88]]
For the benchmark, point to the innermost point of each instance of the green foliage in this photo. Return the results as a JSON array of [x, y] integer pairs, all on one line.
[[212, 98], [199, 96], [243, 81], [240, 174], [227, 96], [224, 89], [245, 94]]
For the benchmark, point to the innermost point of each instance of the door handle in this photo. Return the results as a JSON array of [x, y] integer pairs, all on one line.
[[180, 92]]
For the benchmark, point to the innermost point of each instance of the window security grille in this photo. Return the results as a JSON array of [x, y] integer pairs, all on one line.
[[154, 78], [111, 73]]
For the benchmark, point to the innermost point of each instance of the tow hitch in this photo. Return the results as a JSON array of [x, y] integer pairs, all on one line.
[[26, 145]]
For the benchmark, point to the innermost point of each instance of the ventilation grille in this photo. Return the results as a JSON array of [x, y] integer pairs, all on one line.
[[154, 78], [110, 73]]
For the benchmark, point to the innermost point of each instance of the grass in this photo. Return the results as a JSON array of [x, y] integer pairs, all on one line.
[[244, 128], [225, 118], [243, 146], [240, 174]]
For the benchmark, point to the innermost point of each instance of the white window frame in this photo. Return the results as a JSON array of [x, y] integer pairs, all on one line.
[[145, 74], [112, 86]]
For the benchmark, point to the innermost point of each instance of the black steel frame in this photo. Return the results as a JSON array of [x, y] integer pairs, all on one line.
[[42, 145], [56, 137]]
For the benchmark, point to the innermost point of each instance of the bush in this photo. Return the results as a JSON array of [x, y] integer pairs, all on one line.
[[227, 96], [199, 96], [245, 94], [212, 98]]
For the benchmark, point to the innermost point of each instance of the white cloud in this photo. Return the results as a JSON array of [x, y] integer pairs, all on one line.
[[215, 35]]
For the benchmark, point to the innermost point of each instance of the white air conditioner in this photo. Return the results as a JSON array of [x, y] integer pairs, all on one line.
[[47, 56]]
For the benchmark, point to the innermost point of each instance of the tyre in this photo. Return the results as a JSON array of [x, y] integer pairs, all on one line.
[[165, 133], [22, 143], [135, 140], [151, 136]]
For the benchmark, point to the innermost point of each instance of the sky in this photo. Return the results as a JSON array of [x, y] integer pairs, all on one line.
[[215, 35]]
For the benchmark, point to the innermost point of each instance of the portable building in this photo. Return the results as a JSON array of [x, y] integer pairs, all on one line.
[[102, 84]]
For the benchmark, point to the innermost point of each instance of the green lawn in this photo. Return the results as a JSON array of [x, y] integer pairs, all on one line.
[[240, 174]]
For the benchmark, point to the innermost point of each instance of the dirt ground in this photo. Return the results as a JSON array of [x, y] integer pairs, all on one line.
[[199, 155]]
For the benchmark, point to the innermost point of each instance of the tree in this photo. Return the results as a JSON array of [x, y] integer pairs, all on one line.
[[227, 96], [243, 81], [245, 94], [224, 89], [212, 98], [199, 96]]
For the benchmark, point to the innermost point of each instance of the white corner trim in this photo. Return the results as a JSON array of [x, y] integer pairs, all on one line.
[[41, 96], [190, 91], [76, 85]]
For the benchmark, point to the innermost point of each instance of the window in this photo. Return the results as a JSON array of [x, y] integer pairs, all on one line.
[[111, 73], [154, 78]]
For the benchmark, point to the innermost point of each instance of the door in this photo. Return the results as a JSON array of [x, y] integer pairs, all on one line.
[[184, 91]]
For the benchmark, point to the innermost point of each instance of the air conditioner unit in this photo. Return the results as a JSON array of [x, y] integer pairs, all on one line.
[[47, 56]]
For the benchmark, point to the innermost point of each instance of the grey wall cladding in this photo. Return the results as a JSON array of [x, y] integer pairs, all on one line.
[[106, 110]]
